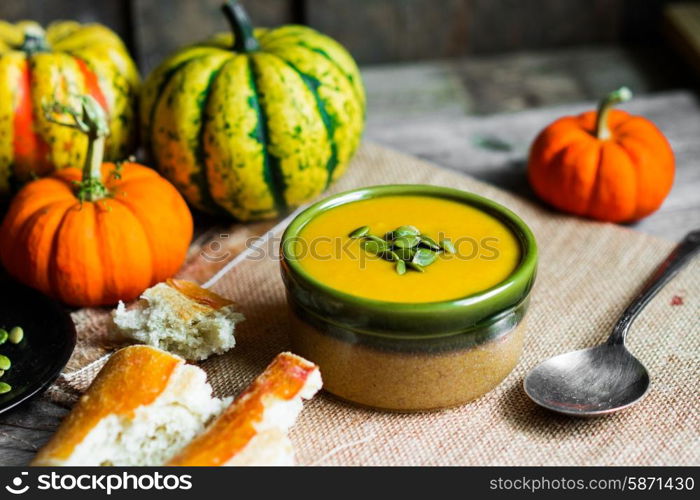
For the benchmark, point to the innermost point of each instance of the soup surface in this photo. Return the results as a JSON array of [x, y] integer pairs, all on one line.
[[486, 250]]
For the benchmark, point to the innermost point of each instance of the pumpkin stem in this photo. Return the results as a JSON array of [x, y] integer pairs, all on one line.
[[623, 94], [243, 37], [34, 39], [92, 121]]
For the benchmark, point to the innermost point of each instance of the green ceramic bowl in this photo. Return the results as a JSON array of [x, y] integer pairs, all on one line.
[[408, 356]]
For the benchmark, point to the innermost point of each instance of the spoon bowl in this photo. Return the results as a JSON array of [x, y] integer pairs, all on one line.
[[588, 382]]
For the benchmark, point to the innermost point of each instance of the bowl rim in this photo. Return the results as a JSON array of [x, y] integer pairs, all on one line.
[[523, 272]]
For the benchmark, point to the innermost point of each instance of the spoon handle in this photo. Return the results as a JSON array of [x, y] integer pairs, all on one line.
[[675, 261]]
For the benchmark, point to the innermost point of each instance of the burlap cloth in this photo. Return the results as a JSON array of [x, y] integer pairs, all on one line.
[[588, 273]]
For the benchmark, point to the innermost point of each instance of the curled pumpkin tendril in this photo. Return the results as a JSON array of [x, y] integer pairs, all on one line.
[[91, 120]]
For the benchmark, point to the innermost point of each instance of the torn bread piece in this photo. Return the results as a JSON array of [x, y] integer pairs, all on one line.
[[253, 430], [142, 408], [180, 317]]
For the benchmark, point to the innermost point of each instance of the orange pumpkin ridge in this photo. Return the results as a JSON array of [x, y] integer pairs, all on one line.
[[92, 85], [89, 237], [606, 164], [31, 151]]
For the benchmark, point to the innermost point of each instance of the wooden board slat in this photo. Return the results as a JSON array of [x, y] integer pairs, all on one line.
[[682, 23], [161, 27], [507, 25], [393, 30], [112, 13], [399, 30]]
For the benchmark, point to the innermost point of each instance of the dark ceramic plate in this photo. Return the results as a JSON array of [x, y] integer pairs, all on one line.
[[49, 339]]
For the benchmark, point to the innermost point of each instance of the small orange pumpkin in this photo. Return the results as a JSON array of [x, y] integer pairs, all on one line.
[[99, 235], [607, 165]]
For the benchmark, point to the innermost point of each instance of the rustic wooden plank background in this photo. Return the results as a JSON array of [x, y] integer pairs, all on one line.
[[374, 31]]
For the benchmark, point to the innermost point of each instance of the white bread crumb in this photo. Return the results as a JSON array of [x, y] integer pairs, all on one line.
[[167, 319]]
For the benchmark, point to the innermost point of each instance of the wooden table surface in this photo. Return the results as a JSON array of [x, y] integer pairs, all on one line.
[[477, 117]]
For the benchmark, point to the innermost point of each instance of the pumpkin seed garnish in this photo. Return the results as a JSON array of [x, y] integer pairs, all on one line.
[[405, 231], [447, 246], [424, 257], [407, 241], [400, 267], [428, 242], [392, 256], [405, 253], [416, 267], [405, 246], [359, 232], [375, 247], [375, 238], [16, 335]]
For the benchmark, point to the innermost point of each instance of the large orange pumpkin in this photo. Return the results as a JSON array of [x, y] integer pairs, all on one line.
[[606, 164], [99, 235]]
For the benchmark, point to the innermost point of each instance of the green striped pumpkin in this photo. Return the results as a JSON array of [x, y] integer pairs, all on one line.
[[255, 122]]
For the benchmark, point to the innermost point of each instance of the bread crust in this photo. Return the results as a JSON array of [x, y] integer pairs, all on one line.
[[132, 377], [288, 377], [198, 294]]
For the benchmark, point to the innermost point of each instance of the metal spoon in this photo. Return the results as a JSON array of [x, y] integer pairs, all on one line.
[[606, 378]]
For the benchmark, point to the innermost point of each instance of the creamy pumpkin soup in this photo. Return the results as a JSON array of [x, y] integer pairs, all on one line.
[[356, 248]]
